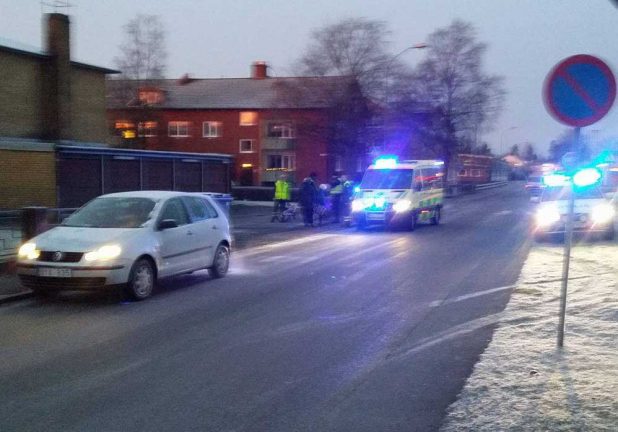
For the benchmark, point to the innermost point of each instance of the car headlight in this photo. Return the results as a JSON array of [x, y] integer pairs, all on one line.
[[358, 205], [28, 251], [402, 205], [104, 253], [602, 213], [547, 215]]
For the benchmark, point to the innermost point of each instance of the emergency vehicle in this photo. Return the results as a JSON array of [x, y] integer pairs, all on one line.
[[402, 194]]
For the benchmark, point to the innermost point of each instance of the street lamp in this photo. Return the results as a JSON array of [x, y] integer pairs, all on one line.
[[502, 137]]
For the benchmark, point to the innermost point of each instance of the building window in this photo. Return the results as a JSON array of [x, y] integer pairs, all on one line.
[[338, 163], [280, 130], [280, 162], [123, 124], [178, 128], [149, 97], [463, 173], [246, 146], [147, 129], [248, 118], [211, 129]]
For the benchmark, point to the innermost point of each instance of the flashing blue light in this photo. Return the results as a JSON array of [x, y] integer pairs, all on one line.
[[356, 189], [385, 162], [586, 177], [554, 180]]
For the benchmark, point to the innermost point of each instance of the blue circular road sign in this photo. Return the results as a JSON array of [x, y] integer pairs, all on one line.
[[579, 90]]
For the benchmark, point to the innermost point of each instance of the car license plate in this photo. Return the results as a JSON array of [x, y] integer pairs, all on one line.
[[55, 272], [375, 216]]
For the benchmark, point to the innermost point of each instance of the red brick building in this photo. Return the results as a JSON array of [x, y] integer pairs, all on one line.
[[268, 124]]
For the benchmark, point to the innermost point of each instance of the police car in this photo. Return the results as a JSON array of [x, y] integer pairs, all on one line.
[[394, 193]]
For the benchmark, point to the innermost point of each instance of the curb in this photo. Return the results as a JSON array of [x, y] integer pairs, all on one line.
[[15, 297]]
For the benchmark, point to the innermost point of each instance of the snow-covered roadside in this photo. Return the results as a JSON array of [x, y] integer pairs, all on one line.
[[522, 382]]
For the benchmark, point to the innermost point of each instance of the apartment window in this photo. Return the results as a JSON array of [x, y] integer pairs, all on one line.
[[283, 162], [124, 124], [280, 130], [149, 97], [211, 129], [178, 128], [248, 118], [463, 173], [246, 146], [147, 129]]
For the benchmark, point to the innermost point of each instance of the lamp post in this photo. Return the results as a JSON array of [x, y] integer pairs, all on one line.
[[502, 138]]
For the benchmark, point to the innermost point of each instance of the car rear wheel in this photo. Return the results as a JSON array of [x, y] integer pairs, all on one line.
[[220, 263], [141, 279]]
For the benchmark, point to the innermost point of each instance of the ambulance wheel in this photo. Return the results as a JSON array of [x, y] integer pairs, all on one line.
[[435, 220], [413, 221]]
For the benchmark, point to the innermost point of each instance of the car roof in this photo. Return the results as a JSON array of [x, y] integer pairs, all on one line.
[[153, 194]]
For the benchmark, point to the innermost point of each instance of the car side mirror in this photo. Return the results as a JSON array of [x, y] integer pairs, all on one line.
[[167, 224]]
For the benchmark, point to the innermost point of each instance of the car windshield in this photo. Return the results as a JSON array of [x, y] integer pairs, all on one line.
[[112, 212], [561, 193], [387, 179]]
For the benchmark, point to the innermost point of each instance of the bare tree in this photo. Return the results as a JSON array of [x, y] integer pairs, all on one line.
[[143, 55], [450, 86], [356, 48]]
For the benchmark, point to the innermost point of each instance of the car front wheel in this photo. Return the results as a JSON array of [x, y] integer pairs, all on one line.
[[141, 279], [220, 263]]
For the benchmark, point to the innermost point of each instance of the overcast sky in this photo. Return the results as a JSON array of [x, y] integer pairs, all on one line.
[[221, 38]]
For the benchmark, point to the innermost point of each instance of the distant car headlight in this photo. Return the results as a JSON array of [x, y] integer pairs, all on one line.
[[402, 206], [104, 253], [547, 215], [358, 205], [28, 251], [602, 213]]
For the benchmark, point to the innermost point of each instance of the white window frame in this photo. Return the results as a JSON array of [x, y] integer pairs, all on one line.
[[211, 129], [143, 131], [463, 172], [177, 125], [288, 162], [338, 163], [240, 150], [254, 114], [287, 130]]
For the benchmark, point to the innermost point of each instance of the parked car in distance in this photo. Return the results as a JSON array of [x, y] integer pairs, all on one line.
[[593, 213], [130, 239], [534, 187]]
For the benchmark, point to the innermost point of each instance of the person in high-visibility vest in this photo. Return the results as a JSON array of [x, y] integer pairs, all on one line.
[[336, 189], [282, 195]]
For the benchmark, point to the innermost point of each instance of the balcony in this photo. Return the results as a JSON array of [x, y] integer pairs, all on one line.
[[278, 143]]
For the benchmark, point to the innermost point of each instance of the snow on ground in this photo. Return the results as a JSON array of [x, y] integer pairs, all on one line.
[[522, 381]]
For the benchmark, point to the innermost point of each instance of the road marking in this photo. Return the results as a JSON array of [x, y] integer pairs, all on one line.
[[469, 296]]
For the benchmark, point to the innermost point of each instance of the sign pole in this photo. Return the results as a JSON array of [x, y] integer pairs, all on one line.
[[568, 237]]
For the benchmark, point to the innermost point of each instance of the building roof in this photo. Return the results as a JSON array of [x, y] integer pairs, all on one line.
[[234, 93], [11, 46]]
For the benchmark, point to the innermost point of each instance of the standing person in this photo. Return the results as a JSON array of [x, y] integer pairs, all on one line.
[[336, 189], [346, 198], [282, 196], [308, 197]]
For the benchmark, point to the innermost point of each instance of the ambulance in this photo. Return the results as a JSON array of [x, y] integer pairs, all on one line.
[[399, 194]]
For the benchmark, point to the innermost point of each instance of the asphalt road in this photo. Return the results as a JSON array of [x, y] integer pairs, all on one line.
[[332, 331]]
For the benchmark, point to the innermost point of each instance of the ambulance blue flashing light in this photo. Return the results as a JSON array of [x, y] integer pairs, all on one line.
[[357, 189], [385, 162], [586, 177]]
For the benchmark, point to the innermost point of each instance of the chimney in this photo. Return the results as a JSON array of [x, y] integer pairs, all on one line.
[[259, 70], [57, 86], [184, 80]]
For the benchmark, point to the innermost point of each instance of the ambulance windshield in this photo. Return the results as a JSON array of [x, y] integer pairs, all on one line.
[[387, 179]]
